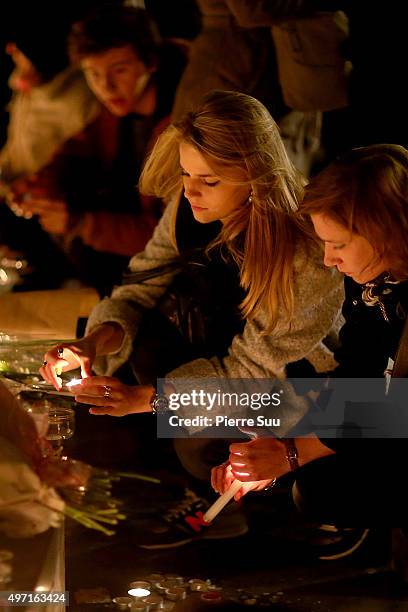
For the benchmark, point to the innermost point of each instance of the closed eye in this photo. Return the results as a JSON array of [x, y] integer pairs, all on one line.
[[337, 247], [205, 182]]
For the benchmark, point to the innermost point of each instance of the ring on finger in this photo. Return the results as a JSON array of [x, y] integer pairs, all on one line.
[[108, 391], [60, 352], [45, 363]]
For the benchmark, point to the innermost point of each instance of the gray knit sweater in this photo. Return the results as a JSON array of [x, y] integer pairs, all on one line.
[[318, 299]]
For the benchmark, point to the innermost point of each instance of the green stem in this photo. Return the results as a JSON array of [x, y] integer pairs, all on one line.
[[137, 476]]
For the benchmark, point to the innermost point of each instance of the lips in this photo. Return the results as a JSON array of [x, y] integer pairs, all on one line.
[[115, 101], [195, 207]]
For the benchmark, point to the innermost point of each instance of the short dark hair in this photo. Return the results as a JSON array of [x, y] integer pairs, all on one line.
[[112, 27]]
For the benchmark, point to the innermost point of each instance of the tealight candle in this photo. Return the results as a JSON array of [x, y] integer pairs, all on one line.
[[211, 597], [140, 584], [175, 577], [198, 585], [170, 582], [139, 606], [139, 589], [153, 601], [155, 578], [175, 593], [138, 593], [122, 603]]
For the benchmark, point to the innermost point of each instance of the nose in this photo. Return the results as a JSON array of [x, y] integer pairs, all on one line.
[[331, 258], [191, 187], [106, 84]]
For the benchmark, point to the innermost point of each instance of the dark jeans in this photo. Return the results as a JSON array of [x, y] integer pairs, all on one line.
[[346, 492]]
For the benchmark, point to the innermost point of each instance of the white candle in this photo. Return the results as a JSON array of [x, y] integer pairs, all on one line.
[[73, 382], [222, 501]]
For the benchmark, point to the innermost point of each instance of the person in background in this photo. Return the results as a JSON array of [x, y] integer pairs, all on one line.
[[50, 103], [359, 209], [87, 199]]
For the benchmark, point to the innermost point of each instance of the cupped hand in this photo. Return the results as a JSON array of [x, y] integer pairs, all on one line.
[[68, 356], [222, 478], [260, 459], [108, 395]]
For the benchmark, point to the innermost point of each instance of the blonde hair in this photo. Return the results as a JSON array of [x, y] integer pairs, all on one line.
[[366, 191], [232, 129]]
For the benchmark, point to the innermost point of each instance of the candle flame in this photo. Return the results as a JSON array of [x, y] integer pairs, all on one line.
[[73, 382], [139, 592]]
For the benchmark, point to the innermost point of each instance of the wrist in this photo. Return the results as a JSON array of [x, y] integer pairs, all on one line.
[[292, 455], [159, 403]]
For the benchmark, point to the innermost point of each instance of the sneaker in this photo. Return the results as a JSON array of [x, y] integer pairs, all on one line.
[[332, 543], [184, 523]]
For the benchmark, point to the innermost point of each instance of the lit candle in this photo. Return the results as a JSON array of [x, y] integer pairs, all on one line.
[[222, 501], [198, 585], [139, 588], [73, 382]]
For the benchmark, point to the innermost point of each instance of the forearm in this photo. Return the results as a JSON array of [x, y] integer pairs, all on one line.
[[107, 338], [118, 233]]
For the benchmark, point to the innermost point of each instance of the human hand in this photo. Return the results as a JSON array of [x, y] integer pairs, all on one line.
[[263, 458], [53, 215], [108, 395], [222, 478], [68, 356]]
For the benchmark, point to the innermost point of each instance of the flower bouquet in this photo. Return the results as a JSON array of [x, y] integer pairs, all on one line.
[[38, 488]]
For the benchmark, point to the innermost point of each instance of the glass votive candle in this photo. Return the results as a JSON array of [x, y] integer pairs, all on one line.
[[175, 578], [122, 603], [168, 583], [139, 606], [139, 589], [198, 585], [176, 593], [155, 578], [211, 597], [153, 601]]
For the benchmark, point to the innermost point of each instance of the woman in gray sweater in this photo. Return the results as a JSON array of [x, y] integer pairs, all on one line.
[[227, 165]]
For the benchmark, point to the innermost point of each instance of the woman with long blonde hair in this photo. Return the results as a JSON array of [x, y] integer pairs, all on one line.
[[232, 196], [224, 166]]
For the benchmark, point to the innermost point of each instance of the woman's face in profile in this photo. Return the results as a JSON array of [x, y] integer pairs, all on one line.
[[352, 254], [211, 197]]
